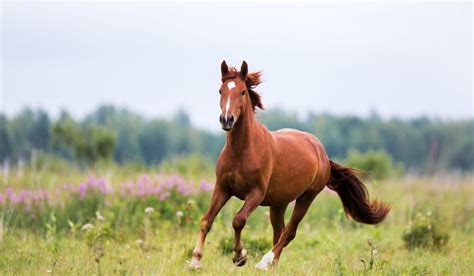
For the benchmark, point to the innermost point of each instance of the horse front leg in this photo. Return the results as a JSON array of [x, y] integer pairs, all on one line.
[[252, 201], [219, 198]]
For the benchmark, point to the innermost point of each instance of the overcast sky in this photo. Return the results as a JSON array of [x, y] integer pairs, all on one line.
[[402, 60]]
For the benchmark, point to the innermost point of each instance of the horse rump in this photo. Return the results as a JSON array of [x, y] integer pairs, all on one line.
[[354, 196]]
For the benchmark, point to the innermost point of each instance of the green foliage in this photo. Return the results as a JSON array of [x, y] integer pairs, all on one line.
[[378, 164], [191, 165], [278, 118], [29, 129], [255, 246], [421, 144], [371, 264], [340, 268], [426, 231], [5, 139], [125, 239], [89, 143]]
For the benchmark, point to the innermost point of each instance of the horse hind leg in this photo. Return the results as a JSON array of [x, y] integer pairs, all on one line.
[[289, 232], [277, 218]]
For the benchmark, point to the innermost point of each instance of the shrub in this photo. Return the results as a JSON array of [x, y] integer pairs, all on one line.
[[425, 231], [256, 246], [378, 164]]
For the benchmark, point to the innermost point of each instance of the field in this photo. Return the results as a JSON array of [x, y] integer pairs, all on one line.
[[126, 220]]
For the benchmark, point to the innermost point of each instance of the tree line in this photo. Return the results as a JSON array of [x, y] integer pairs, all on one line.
[[420, 144]]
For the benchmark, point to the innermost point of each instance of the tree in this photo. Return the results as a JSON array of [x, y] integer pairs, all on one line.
[[88, 143], [5, 141]]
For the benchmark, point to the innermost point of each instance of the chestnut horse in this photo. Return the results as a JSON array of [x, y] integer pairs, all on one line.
[[268, 168]]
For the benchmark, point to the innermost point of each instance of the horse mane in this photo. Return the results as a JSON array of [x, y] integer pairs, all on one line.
[[252, 80]]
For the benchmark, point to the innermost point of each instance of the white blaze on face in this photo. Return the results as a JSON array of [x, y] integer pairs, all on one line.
[[227, 106], [230, 85]]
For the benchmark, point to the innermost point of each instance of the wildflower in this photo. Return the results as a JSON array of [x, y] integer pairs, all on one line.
[[82, 190], [49, 271], [205, 186], [370, 242], [149, 210], [99, 216], [87, 226], [139, 242], [164, 196], [68, 187], [179, 214]]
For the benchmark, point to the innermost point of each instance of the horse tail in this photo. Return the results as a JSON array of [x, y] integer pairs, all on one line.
[[354, 196]]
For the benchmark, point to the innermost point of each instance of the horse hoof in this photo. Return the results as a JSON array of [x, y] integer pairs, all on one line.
[[241, 259], [241, 262], [195, 264], [266, 261]]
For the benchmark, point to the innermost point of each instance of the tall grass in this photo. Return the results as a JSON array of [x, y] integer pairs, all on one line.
[[144, 220]]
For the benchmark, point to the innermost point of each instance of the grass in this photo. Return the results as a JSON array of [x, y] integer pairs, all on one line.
[[322, 251], [327, 243]]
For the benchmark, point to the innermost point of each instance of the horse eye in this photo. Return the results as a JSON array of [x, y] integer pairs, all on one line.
[[220, 92], [243, 92]]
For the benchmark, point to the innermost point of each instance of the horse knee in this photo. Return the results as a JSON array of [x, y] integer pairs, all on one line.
[[239, 222], [205, 225], [291, 235]]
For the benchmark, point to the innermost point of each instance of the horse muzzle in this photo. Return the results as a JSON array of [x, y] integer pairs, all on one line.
[[227, 122]]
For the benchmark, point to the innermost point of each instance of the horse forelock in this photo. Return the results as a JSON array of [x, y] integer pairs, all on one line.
[[232, 73], [252, 80]]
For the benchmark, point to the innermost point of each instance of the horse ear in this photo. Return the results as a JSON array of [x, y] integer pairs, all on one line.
[[244, 69], [224, 68]]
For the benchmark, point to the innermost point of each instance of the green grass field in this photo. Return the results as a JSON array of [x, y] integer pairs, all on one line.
[[48, 238]]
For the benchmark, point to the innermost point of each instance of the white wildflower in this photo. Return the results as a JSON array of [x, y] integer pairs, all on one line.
[[139, 242], [149, 210], [87, 226], [179, 214], [99, 216]]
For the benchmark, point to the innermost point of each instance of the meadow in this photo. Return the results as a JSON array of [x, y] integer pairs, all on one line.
[[131, 220]]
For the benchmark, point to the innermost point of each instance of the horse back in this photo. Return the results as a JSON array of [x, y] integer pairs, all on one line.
[[299, 163]]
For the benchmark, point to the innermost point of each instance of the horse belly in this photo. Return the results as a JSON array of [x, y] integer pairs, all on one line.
[[293, 174]]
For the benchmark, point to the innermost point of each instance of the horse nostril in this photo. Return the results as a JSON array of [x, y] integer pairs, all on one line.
[[230, 119], [221, 118]]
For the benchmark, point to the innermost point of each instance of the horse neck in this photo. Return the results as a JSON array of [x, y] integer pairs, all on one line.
[[245, 133]]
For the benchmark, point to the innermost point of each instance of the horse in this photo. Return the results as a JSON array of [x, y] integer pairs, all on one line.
[[266, 168]]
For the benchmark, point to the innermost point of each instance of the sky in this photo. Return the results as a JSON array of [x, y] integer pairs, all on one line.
[[399, 59]]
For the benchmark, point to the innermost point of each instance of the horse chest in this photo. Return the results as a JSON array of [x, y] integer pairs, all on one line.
[[240, 181]]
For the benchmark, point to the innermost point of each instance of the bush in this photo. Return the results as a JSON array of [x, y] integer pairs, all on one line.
[[256, 246], [425, 232], [378, 164]]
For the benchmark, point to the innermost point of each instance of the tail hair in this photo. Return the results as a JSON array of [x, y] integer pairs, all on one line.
[[354, 196]]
